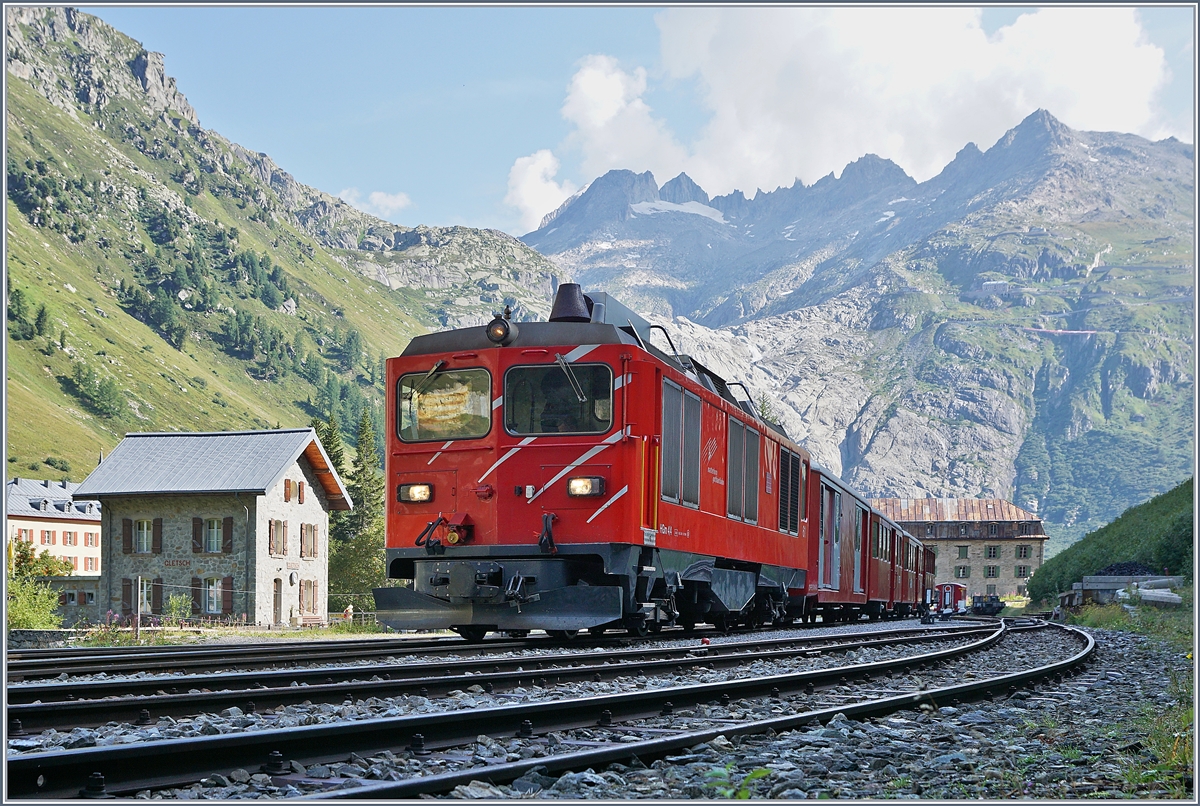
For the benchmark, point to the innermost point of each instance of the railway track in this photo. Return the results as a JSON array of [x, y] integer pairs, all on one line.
[[432, 752], [37, 707]]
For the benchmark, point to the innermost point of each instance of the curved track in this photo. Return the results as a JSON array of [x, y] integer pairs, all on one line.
[[61, 774], [37, 707]]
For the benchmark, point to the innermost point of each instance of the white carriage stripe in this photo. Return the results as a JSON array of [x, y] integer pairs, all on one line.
[[622, 380], [497, 402], [511, 451], [588, 454], [579, 352], [439, 453], [609, 502]]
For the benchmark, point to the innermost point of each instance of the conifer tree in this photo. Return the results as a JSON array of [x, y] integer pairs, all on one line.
[[366, 483]]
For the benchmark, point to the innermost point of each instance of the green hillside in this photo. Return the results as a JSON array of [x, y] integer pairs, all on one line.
[[163, 278], [1157, 533]]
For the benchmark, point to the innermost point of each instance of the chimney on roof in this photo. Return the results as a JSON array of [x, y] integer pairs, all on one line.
[[46, 483], [64, 484]]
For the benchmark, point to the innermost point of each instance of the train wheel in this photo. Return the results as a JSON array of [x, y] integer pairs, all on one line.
[[637, 628], [655, 627], [723, 623], [688, 626], [517, 633], [472, 634], [562, 635]]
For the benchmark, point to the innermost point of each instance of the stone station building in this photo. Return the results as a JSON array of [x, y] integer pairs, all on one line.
[[988, 544], [238, 521]]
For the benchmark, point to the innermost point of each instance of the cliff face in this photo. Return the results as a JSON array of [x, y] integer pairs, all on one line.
[[1019, 326]]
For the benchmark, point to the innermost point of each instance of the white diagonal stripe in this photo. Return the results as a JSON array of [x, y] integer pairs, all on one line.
[[588, 454], [609, 502], [579, 352], [497, 402], [439, 453], [511, 451], [621, 381]]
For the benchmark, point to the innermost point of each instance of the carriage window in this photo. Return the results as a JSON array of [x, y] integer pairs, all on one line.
[[742, 487], [545, 399], [456, 404], [680, 446], [790, 491]]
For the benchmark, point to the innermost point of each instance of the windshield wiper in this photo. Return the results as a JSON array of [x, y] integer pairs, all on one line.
[[575, 387], [428, 379]]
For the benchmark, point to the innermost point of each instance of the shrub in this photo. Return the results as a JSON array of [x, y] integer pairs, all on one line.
[[32, 605]]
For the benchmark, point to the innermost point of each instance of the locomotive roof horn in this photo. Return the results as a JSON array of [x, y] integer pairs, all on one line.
[[571, 304]]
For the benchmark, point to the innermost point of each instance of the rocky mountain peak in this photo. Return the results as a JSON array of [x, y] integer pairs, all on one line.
[[1037, 135], [682, 190], [872, 172]]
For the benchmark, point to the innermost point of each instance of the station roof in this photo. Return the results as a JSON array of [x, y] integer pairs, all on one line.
[[222, 462], [955, 510]]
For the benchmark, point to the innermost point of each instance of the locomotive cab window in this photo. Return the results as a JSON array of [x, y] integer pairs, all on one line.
[[456, 404], [558, 398]]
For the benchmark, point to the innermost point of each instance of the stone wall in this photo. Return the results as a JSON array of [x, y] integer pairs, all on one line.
[[41, 639], [253, 569], [269, 568]]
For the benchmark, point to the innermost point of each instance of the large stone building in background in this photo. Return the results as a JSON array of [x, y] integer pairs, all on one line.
[[236, 521], [988, 544]]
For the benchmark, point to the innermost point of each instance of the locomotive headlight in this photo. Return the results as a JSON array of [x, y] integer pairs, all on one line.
[[502, 331], [583, 486], [415, 493]]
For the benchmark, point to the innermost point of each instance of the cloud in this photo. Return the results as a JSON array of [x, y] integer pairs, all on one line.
[[800, 92], [532, 189], [377, 203]]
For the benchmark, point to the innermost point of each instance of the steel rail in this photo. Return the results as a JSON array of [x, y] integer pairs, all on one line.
[[653, 749], [65, 773], [36, 717], [252, 680]]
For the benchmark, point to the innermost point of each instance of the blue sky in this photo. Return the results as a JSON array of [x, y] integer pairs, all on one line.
[[491, 116]]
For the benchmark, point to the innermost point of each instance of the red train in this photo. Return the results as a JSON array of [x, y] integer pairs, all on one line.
[[570, 475]]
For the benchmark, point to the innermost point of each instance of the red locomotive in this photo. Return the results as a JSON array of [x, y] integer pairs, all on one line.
[[569, 475]]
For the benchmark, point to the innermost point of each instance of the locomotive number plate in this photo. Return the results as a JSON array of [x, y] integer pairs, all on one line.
[[648, 536]]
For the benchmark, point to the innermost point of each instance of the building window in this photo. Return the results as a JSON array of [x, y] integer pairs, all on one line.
[[72, 598], [308, 596], [962, 571], [993, 529], [48, 537], [308, 540], [91, 597], [277, 537], [89, 564], [991, 571], [25, 534], [212, 595], [991, 590], [1022, 572], [963, 552], [1024, 528], [962, 529], [929, 530], [212, 536], [74, 562], [91, 539], [143, 533], [146, 594], [992, 552], [1024, 552], [69, 539]]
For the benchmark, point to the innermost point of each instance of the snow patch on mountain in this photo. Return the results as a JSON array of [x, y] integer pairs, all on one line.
[[692, 207]]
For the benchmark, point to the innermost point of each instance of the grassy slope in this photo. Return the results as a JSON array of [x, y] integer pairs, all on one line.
[[1157, 533], [198, 387]]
